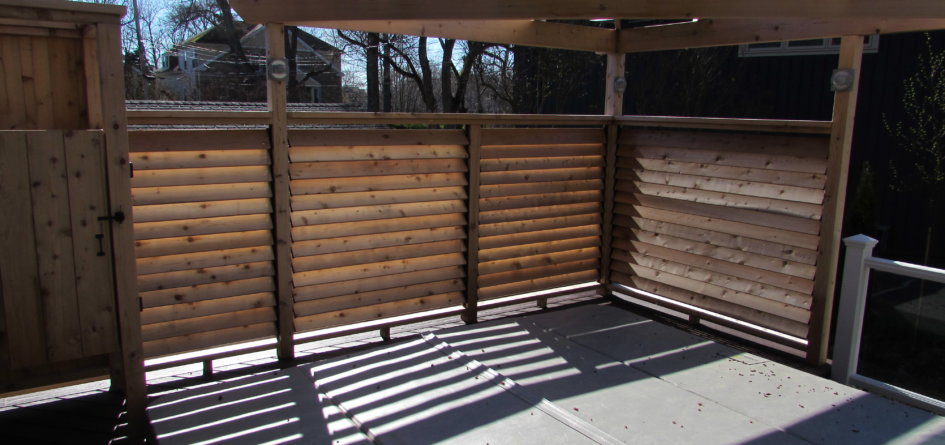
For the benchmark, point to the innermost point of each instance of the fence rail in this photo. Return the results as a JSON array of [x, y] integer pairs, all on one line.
[[856, 272]]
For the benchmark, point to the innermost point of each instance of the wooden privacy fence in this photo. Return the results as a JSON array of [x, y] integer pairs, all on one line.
[[388, 222], [725, 221]]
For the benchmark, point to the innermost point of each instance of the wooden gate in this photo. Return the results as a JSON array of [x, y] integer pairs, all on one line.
[[55, 262]]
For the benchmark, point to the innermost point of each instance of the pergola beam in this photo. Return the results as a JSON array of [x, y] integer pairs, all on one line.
[[719, 32], [263, 11], [518, 32]]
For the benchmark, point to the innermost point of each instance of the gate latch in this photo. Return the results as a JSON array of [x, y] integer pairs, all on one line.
[[118, 217]]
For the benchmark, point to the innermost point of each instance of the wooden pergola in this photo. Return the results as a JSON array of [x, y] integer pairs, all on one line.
[[584, 220]]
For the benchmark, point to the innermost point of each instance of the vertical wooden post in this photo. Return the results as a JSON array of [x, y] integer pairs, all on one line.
[[607, 221], [613, 99], [474, 133], [282, 225], [838, 166], [115, 125]]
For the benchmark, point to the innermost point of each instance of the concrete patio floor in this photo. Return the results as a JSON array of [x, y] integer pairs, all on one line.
[[587, 374]]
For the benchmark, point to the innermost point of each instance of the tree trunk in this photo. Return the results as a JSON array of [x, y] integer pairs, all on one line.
[[373, 96], [426, 83], [233, 36], [387, 82], [446, 75]]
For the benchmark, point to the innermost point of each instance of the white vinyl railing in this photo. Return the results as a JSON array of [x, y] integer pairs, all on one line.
[[858, 262]]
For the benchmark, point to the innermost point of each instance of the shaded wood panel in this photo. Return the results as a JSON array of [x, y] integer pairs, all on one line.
[[379, 311], [211, 339], [379, 297], [356, 199], [357, 286], [197, 140], [725, 221]]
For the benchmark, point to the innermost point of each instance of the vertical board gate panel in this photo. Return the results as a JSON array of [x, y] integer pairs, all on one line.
[[378, 223], [203, 240], [539, 209], [58, 297], [725, 221]]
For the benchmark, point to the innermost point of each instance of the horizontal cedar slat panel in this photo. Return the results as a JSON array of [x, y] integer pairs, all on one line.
[[202, 226], [777, 282], [548, 175], [374, 312], [176, 328], [196, 140], [491, 242], [525, 262], [542, 136], [735, 186], [200, 176], [730, 142], [736, 311], [322, 305], [202, 292], [526, 250], [535, 188], [340, 169], [551, 199], [211, 339], [336, 230], [375, 241], [331, 260], [809, 180], [201, 260], [797, 239], [183, 278], [355, 199], [784, 310], [499, 216], [299, 154], [801, 274], [789, 208], [205, 308], [196, 193], [376, 137], [541, 151], [537, 284], [731, 159], [365, 271], [803, 259], [199, 159], [746, 216], [514, 276], [366, 184], [304, 293], [532, 225], [206, 209], [376, 212], [537, 163], [201, 243]]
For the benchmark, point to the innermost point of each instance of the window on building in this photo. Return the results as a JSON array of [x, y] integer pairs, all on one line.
[[803, 47]]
